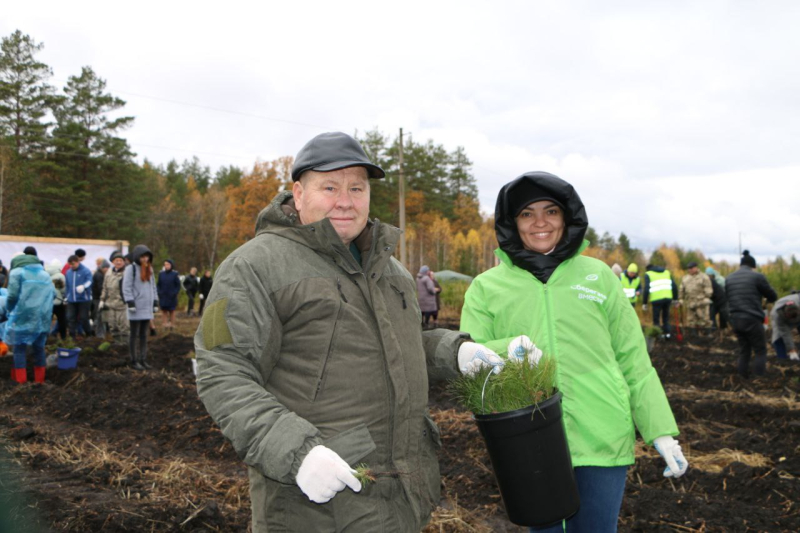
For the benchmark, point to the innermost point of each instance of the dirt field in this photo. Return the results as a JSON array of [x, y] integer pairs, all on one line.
[[108, 448]]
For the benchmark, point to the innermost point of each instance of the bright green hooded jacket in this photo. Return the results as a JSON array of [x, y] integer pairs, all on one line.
[[579, 314]]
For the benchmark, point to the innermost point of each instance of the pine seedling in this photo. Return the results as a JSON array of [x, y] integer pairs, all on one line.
[[364, 474]]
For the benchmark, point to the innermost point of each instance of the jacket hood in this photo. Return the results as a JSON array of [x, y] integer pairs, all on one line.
[[24, 260], [171, 263], [139, 251], [513, 195], [655, 268]]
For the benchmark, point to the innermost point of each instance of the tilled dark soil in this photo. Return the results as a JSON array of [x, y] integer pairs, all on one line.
[[107, 448]]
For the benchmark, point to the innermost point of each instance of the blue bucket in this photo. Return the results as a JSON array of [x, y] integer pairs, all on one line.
[[67, 358]]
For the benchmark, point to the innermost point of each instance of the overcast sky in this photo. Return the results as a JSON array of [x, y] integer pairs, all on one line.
[[675, 121]]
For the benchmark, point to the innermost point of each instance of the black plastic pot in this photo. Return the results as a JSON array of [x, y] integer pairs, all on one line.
[[530, 456]]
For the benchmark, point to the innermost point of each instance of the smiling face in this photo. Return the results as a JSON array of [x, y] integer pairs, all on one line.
[[342, 196], [540, 226]]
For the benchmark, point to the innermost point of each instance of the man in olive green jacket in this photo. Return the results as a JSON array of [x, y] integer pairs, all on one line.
[[311, 357]]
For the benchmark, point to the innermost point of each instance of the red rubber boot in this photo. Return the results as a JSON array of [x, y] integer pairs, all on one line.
[[20, 375], [38, 374]]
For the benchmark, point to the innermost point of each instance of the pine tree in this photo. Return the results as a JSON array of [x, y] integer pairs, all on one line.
[[25, 97], [92, 186]]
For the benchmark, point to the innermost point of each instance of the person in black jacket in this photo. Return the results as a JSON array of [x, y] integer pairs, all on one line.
[[719, 305], [191, 284], [745, 289], [97, 289], [205, 288]]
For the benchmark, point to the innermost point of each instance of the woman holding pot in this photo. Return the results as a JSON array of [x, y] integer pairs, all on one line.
[[574, 309]]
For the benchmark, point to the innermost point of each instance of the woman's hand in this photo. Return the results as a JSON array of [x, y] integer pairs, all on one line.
[[670, 450], [523, 347], [472, 356]]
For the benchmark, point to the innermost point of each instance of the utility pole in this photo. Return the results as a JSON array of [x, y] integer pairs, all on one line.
[[402, 187], [740, 244]]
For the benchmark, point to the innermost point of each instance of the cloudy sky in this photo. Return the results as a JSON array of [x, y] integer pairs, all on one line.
[[676, 121]]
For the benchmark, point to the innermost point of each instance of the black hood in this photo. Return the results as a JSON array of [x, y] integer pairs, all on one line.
[[512, 195], [138, 251], [655, 268]]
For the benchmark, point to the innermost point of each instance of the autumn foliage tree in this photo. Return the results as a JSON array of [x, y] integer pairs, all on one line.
[[256, 189]]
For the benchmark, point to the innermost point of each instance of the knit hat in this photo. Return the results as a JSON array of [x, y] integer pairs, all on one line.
[[30, 250], [424, 269], [80, 252], [526, 193], [747, 259], [115, 254], [633, 268], [790, 310], [710, 271], [105, 264]]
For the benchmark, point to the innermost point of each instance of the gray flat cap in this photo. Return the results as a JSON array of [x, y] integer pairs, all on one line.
[[333, 151]]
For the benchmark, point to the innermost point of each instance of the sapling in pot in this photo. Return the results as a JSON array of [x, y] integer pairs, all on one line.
[[518, 412]]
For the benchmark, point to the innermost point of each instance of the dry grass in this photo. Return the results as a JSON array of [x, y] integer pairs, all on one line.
[[790, 401], [453, 518], [715, 462], [711, 462], [168, 480]]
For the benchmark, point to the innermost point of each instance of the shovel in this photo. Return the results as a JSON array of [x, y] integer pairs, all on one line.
[[678, 332]]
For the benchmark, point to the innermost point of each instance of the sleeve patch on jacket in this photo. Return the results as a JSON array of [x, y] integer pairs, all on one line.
[[215, 329]]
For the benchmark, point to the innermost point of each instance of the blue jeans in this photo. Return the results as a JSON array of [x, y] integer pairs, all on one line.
[[601, 490], [39, 358]]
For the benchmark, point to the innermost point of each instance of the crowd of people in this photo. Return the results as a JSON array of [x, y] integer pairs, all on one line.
[[118, 301], [706, 302]]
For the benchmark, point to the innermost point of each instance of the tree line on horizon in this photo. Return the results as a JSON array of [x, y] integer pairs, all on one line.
[[66, 171]]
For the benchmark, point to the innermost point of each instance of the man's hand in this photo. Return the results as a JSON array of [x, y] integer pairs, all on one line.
[[522, 347], [676, 303], [670, 450], [644, 307], [155, 306], [472, 356], [793, 355], [201, 296], [323, 473], [80, 289]]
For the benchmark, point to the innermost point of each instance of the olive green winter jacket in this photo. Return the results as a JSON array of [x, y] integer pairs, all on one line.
[[299, 346]]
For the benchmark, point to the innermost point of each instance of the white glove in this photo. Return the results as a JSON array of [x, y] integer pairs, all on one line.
[[523, 347], [670, 450], [472, 356], [80, 289], [201, 296], [793, 355], [101, 305], [644, 307], [323, 473]]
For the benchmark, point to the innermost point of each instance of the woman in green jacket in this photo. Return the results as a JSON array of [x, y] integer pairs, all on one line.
[[544, 292]]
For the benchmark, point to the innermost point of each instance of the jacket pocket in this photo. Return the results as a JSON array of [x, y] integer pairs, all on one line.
[[320, 381], [239, 317], [353, 444]]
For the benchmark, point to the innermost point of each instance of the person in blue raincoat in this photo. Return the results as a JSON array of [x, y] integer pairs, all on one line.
[[30, 308], [3, 313], [169, 286]]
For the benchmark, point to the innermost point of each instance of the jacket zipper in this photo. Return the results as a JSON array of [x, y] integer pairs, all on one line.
[[550, 327], [321, 376]]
